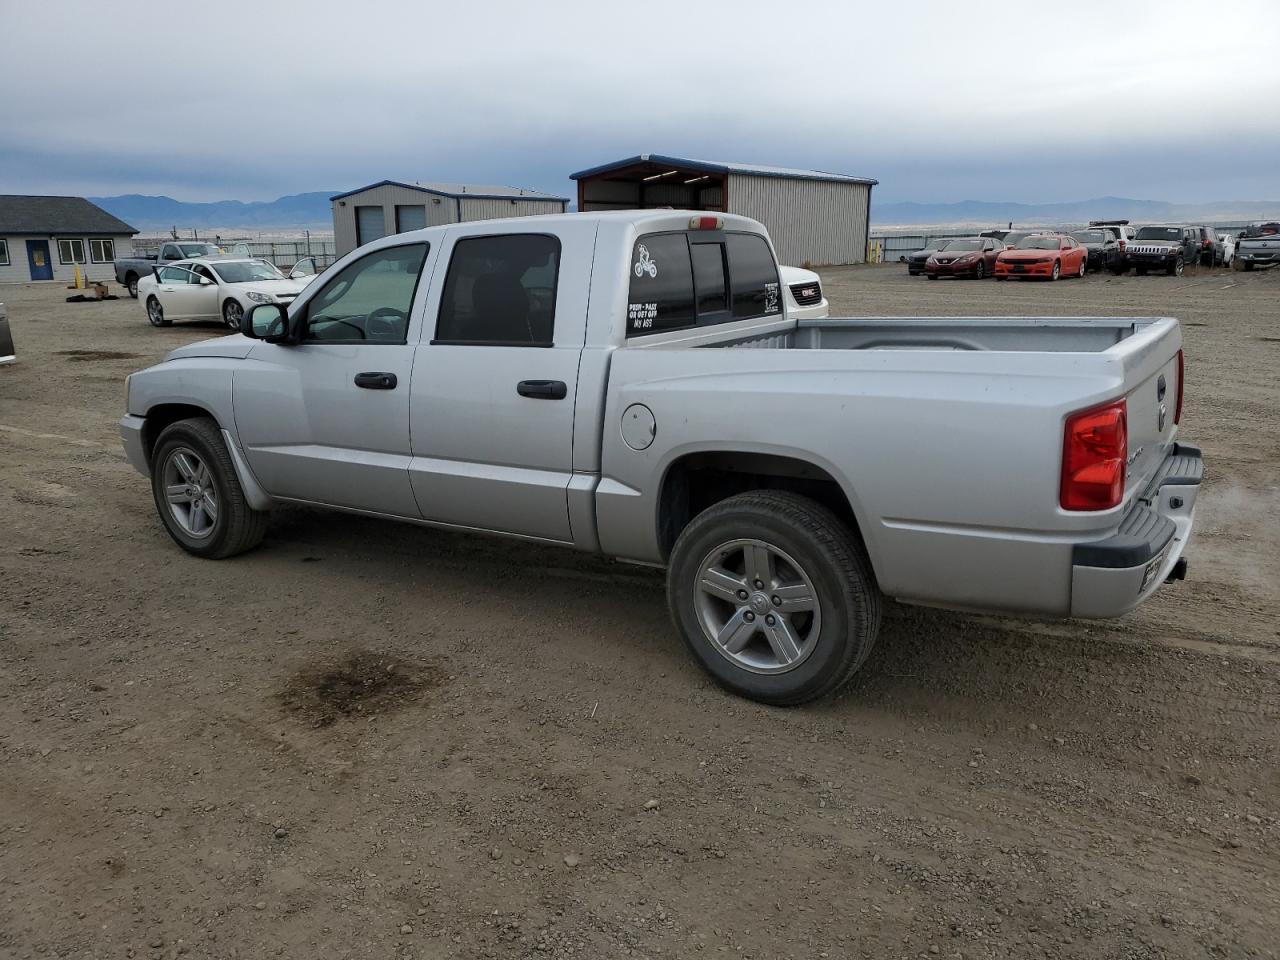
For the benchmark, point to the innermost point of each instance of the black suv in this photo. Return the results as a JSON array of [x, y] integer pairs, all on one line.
[[1105, 252], [1211, 250], [1167, 249]]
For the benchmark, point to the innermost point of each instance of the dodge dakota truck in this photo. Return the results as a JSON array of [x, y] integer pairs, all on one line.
[[129, 270], [631, 384]]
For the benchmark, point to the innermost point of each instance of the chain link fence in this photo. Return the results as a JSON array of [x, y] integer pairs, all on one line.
[[283, 253]]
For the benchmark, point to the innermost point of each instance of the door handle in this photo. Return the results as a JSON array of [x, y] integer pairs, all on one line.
[[376, 381], [542, 389]]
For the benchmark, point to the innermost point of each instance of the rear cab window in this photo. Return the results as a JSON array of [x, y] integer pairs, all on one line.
[[700, 278]]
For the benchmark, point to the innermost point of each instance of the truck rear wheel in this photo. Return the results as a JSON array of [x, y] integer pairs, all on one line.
[[131, 283], [775, 597], [198, 494]]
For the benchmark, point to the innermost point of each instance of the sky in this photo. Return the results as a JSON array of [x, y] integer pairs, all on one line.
[[939, 101]]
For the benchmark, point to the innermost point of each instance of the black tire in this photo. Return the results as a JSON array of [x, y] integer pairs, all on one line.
[[232, 313], [155, 313], [979, 271], [848, 599], [237, 527], [1057, 270], [131, 284], [1176, 269], [932, 276], [1248, 265]]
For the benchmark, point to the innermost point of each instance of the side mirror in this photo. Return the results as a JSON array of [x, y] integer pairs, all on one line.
[[206, 282], [266, 321]]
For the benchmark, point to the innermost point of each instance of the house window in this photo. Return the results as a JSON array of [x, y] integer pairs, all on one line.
[[4, 253], [71, 251], [102, 251]]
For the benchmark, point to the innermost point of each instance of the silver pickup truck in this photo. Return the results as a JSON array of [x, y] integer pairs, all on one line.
[[632, 384]]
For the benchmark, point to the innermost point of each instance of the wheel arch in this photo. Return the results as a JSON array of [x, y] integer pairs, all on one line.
[[697, 480], [164, 414]]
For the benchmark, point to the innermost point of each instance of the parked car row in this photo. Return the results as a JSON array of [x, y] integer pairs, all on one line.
[[1111, 245]]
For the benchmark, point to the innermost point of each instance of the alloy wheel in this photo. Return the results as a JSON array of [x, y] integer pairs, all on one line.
[[155, 312], [232, 313], [190, 492], [757, 606]]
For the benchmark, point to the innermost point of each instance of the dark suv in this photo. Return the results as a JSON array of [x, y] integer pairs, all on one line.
[[1211, 250], [1167, 249]]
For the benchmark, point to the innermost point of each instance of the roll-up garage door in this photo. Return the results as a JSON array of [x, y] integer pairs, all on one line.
[[410, 217], [370, 225]]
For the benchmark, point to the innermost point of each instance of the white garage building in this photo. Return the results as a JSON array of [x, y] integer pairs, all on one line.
[[815, 217], [390, 206]]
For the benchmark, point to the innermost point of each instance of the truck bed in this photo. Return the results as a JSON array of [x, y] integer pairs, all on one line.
[[990, 334]]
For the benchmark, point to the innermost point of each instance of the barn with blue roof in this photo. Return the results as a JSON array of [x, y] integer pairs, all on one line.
[[814, 217]]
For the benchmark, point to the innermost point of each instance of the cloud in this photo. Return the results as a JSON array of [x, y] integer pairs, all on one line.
[[256, 100]]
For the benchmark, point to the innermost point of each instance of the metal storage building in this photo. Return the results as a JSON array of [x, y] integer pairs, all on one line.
[[815, 217], [389, 206], [47, 238]]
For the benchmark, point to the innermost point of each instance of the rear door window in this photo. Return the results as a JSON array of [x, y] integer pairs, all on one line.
[[753, 276], [501, 291]]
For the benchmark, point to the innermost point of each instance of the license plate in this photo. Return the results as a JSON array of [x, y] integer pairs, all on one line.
[[1154, 566], [1018, 268]]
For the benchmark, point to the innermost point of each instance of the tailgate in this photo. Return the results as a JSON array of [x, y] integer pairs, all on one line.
[[1152, 406]]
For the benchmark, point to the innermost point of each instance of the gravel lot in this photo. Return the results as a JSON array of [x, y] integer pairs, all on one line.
[[372, 740]]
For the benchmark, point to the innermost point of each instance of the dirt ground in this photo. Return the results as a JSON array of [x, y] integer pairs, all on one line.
[[372, 740]]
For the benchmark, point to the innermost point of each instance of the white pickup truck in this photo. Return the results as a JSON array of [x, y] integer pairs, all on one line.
[[632, 384]]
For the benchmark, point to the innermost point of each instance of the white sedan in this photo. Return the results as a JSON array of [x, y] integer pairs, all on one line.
[[804, 293], [218, 289]]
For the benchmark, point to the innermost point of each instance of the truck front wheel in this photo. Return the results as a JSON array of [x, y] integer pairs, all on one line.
[[775, 596], [198, 493]]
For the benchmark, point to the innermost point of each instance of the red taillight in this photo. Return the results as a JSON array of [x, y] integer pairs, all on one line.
[[1177, 406], [1095, 447], [1122, 243], [706, 223]]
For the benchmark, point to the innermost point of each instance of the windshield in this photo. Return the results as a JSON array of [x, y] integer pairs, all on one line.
[[1090, 236], [1011, 238], [198, 249], [1160, 233], [934, 245], [1038, 243], [246, 271], [957, 245]]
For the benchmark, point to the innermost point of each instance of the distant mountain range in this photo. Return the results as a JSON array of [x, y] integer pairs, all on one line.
[[995, 213], [311, 211]]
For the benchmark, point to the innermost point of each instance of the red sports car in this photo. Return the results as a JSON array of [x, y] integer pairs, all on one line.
[[1049, 255]]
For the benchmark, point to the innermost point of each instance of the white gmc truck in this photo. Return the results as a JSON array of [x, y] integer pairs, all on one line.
[[633, 384]]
